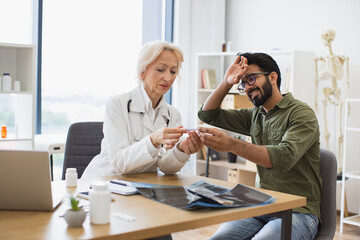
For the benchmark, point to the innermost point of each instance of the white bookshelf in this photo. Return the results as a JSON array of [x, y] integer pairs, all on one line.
[[20, 61]]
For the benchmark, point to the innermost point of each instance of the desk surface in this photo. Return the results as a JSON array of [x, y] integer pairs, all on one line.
[[151, 218]]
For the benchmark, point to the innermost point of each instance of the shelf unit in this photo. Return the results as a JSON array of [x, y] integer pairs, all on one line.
[[244, 172], [20, 61], [354, 174], [294, 79]]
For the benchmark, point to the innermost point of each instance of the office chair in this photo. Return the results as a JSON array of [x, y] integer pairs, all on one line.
[[83, 143], [328, 172]]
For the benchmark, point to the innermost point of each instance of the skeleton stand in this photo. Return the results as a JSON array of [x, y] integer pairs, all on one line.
[[332, 68]]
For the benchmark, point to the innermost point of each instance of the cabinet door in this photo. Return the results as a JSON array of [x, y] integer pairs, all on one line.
[[18, 60]]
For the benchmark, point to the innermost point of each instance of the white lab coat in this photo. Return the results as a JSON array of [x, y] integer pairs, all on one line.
[[124, 149]]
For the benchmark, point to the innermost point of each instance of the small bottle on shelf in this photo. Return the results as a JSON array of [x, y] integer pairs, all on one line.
[[17, 86], [229, 45], [6, 82], [223, 46], [3, 131]]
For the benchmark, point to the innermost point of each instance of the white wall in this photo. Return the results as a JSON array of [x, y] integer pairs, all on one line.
[[199, 26], [262, 25]]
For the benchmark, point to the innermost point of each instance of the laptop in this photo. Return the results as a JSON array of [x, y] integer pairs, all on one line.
[[25, 182]]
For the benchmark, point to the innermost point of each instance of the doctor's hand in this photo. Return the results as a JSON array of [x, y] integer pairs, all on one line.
[[166, 136], [191, 144], [216, 139], [236, 70]]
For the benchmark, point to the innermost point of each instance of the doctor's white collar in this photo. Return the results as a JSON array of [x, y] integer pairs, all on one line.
[[147, 101]]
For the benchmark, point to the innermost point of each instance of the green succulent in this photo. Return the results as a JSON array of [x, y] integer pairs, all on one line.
[[74, 204]]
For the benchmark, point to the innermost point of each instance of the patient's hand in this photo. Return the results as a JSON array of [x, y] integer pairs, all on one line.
[[215, 139], [236, 70], [192, 144]]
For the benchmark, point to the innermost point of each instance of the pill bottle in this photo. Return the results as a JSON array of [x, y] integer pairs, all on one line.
[[17, 86], [3, 131], [229, 46], [71, 177], [6, 82], [223, 46], [100, 198]]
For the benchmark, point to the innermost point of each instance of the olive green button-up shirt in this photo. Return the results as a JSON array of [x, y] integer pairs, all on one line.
[[290, 133]]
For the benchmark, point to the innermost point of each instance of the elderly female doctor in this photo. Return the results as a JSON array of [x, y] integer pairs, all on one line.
[[142, 131]]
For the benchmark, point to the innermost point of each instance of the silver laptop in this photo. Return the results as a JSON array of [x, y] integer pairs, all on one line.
[[25, 182]]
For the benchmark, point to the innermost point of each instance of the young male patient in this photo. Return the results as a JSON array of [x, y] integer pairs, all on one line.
[[285, 144]]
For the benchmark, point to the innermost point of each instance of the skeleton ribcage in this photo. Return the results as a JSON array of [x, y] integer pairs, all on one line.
[[334, 66]]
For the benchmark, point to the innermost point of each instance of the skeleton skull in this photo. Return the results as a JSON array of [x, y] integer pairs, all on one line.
[[328, 36]]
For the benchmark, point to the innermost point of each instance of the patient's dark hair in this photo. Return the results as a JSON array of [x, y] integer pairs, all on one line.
[[265, 62]]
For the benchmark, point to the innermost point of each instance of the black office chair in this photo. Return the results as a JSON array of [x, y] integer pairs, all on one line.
[[83, 143], [328, 171]]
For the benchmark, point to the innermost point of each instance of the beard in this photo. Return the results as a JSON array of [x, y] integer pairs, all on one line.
[[265, 93]]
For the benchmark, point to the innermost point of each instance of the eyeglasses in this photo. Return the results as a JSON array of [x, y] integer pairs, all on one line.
[[250, 80]]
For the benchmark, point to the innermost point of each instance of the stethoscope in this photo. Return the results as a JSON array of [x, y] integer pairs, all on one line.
[[133, 139]]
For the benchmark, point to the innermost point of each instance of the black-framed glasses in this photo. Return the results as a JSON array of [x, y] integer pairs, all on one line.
[[249, 79]]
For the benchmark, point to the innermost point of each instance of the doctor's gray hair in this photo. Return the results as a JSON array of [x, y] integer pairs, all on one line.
[[151, 50]]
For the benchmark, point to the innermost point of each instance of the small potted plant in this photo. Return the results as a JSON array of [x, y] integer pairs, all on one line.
[[75, 216]]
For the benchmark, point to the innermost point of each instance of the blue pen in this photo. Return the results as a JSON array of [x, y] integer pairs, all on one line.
[[120, 183]]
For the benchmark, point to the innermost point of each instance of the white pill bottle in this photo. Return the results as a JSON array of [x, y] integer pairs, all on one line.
[[100, 199], [71, 177], [6, 82]]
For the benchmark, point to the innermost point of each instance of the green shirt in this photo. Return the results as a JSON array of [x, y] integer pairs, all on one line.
[[290, 133]]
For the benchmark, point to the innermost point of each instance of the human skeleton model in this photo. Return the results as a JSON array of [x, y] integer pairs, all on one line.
[[331, 68]]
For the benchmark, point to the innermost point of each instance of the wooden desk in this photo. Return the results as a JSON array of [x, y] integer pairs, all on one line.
[[151, 218]]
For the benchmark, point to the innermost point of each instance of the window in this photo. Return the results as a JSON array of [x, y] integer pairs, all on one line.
[[89, 53]]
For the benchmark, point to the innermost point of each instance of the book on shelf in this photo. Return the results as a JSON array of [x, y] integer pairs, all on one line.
[[212, 78], [208, 78], [204, 79]]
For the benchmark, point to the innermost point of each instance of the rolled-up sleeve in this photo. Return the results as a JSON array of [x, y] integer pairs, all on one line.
[[233, 120]]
